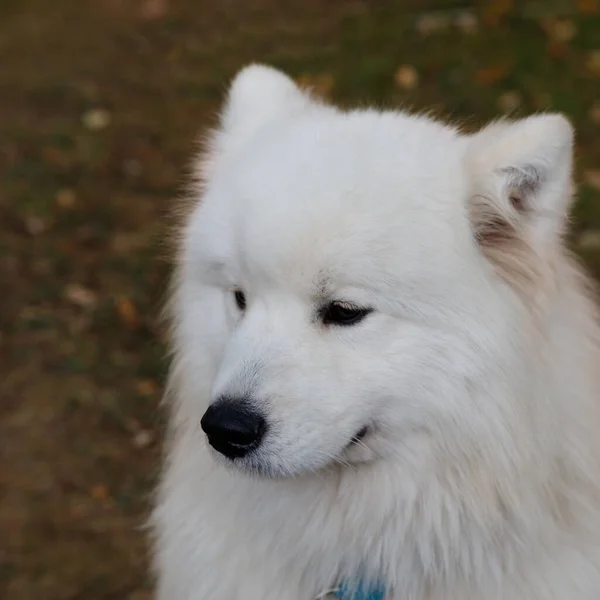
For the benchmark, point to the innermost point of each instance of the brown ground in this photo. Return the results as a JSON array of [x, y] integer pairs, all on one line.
[[100, 103]]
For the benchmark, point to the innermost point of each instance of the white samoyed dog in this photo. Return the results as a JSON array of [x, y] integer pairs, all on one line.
[[386, 371]]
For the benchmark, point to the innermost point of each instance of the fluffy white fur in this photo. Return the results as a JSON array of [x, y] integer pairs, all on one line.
[[477, 371]]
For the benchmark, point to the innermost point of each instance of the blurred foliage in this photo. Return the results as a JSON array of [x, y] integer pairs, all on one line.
[[101, 103]]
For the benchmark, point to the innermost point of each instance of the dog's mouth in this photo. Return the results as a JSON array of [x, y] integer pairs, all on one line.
[[359, 449], [356, 451]]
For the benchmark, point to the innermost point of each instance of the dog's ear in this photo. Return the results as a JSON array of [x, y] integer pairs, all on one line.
[[520, 174], [259, 95], [520, 194]]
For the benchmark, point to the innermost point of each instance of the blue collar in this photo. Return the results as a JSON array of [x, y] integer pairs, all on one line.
[[361, 591]]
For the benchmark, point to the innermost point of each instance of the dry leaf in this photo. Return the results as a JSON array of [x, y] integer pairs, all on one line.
[[99, 492], [509, 101], [496, 11], [556, 49], [492, 74], [35, 225], [589, 240], [594, 113], [96, 119], [132, 167], [564, 30], [174, 55], [542, 100], [593, 62], [433, 22], [592, 178], [81, 296], [127, 312], [322, 84], [56, 157], [147, 387], [467, 22], [78, 509], [126, 243], [142, 438], [406, 77], [152, 10], [65, 198], [588, 6], [559, 30]]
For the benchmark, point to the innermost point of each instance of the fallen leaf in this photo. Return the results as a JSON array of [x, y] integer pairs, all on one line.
[[78, 509], [35, 225], [142, 438], [65, 198], [589, 240], [559, 30], [593, 62], [322, 84], [96, 119], [151, 10], [592, 178], [99, 492], [509, 101], [56, 157], [492, 74], [126, 243], [496, 11], [466, 22], [174, 55], [90, 91], [132, 167], [147, 387], [406, 77], [556, 49], [542, 100], [127, 312], [588, 6], [80, 296], [432, 22], [594, 113], [564, 30]]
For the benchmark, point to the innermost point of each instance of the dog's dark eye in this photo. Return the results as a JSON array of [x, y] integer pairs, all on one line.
[[240, 299], [337, 313]]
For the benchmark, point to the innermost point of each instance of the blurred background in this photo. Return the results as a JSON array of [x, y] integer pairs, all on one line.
[[101, 103]]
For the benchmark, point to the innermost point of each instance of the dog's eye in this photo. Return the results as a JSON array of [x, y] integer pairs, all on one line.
[[338, 313], [240, 299]]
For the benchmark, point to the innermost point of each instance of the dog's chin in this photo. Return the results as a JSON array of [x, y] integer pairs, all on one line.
[[272, 466]]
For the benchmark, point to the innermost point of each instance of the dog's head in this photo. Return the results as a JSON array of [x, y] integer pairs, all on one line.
[[356, 286]]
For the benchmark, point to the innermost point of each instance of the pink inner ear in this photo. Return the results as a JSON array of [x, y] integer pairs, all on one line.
[[490, 227], [522, 182], [503, 243], [517, 201]]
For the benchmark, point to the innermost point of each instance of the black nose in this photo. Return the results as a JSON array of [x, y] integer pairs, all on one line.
[[232, 427]]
